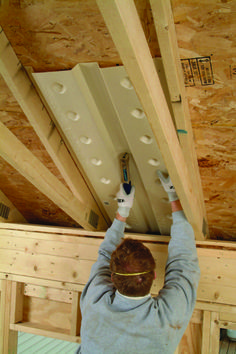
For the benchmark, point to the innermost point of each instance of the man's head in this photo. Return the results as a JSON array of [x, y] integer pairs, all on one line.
[[131, 256]]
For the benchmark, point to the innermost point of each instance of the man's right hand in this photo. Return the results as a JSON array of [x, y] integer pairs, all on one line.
[[168, 186]]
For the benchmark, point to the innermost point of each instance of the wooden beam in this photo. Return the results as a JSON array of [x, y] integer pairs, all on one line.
[[53, 232], [22, 159], [41, 282], [76, 314], [226, 309], [8, 338], [28, 256], [20, 85], [214, 334], [227, 325], [167, 40], [17, 302], [122, 20], [48, 293], [206, 331]]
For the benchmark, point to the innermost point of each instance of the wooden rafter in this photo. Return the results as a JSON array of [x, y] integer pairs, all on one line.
[[122, 20], [19, 83], [167, 40], [22, 159]]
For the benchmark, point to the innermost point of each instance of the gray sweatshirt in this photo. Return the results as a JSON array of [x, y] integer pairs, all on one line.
[[113, 323]]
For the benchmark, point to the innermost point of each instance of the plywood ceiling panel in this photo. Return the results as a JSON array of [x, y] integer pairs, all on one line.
[[56, 35], [207, 28]]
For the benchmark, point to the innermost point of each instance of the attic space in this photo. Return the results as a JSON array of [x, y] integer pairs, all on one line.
[[70, 40]]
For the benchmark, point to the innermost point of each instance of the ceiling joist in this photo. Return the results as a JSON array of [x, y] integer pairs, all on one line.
[[124, 25], [19, 83]]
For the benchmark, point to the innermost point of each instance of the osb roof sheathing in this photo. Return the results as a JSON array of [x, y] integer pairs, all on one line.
[[56, 35]]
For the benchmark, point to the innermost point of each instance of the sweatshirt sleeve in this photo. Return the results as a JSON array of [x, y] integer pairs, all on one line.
[[100, 276], [178, 296]]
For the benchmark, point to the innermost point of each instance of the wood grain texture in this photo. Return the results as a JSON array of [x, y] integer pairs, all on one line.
[[47, 313], [64, 258], [56, 35], [34, 206]]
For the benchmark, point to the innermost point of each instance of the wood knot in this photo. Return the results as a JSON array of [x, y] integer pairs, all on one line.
[[74, 274]]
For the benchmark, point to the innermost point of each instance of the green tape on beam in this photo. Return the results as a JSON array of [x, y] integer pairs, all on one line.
[[182, 131]]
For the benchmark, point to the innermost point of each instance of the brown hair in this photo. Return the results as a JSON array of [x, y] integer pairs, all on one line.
[[131, 256]]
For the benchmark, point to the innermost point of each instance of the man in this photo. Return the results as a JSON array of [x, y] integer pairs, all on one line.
[[118, 313]]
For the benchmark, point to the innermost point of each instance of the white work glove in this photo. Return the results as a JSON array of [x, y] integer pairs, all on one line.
[[125, 201], [168, 186]]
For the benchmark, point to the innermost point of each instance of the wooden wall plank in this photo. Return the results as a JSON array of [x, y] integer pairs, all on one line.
[[58, 248], [64, 285], [67, 260], [47, 267], [48, 314], [45, 292], [124, 25], [56, 232]]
